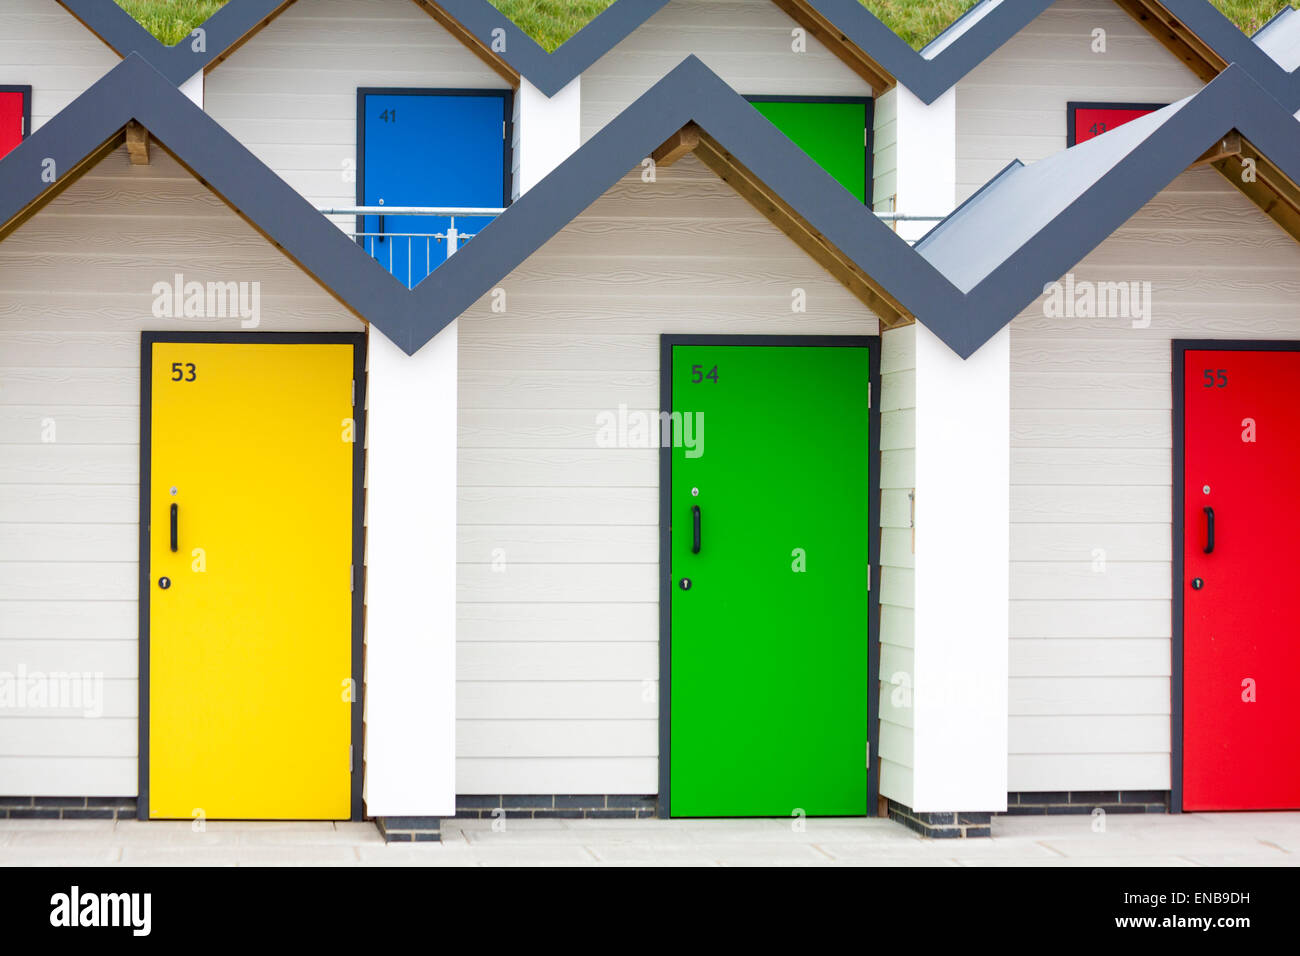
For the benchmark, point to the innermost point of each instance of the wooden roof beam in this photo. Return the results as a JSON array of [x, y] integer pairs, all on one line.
[[833, 39], [781, 214], [1175, 37], [678, 145]]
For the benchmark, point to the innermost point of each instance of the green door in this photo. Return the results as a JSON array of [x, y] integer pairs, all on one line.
[[833, 132], [769, 598]]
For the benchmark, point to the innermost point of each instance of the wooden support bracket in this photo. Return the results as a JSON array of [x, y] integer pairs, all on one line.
[[684, 141], [137, 144], [1230, 145]]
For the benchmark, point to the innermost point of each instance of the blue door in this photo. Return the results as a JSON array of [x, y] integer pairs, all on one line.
[[429, 149]]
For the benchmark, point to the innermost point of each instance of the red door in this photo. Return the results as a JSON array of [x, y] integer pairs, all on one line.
[[12, 117], [1090, 120], [1241, 587]]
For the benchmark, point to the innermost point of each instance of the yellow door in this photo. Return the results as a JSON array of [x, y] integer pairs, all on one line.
[[250, 602]]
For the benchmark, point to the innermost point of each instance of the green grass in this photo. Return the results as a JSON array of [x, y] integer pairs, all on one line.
[[170, 20], [551, 22]]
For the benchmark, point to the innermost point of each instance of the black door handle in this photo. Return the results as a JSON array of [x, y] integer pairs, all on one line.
[[1209, 530], [175, 524], [381, 228], [695, 522]]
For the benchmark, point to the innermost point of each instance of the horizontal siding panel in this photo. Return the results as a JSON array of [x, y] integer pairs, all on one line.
[[114, 659], [1089, 696], [1091, 466], [548, 623], [71, 424], [506, 547], [67, 737], [52, 580], [1105, 428], [70, 504], [1124, 619], [557, 700], [68, 464], [896, 744], [68, 620], [1116, 580], [70, 776], [557, 661], [1091, 504], [1077, 657], [528, 388], [1101, 771], [1096, 544], [573, 467], [896, 782], [488, 775], [616, 583], [78, 698], [556, 738], [1088, 735], [559, 506], [57, 386], [897, 626]]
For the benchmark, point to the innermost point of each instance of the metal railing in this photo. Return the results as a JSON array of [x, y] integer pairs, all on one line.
[[399, 252]]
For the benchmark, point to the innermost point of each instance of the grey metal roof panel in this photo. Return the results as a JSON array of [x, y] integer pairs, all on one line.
[[1020, 201], [1280, 38]]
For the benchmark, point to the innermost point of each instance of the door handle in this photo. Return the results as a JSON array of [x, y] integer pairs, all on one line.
[[695, 525], [1209, 530], [175, 525], [381, 228]]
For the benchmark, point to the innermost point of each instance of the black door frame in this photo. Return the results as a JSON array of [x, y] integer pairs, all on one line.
[[358, 342], [26, 92], [1073, 107], [1180, 348], [872, 344]]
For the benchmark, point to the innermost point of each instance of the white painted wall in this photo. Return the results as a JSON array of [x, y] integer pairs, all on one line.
[[72, 306], [43, 46], [897, 561], [961, 577], [1091, 472], [557, 659], [411, 578], [290, 93], [918, 158], [1013, 105], [748, 43], [554, 126]]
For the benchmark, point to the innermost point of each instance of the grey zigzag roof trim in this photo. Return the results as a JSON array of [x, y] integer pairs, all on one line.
[[1089, 192], [1103, 183], [928, 77], [134, 90]]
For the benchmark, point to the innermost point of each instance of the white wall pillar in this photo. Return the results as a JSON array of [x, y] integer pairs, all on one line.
[[410, 699], [549, 130], [962, 562], [925, 157]]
